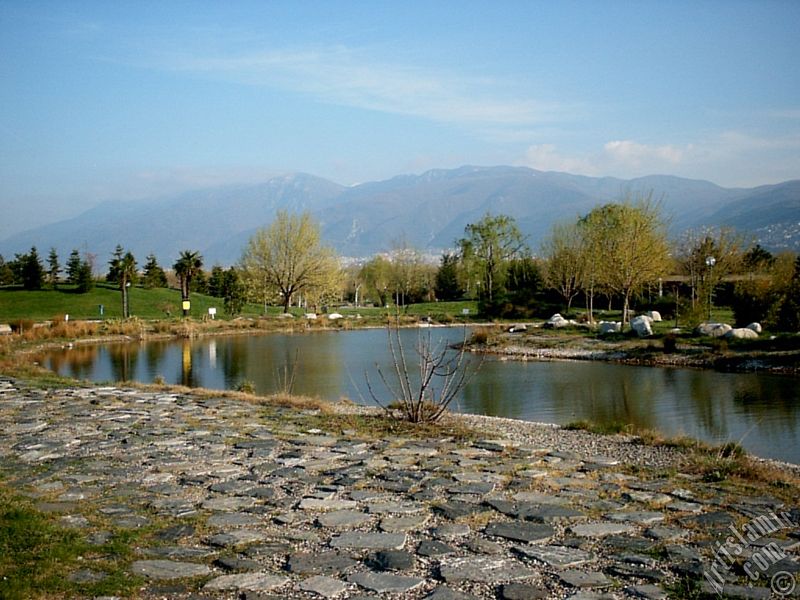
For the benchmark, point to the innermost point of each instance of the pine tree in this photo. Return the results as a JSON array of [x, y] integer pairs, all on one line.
[[74, 264], [53, 268], [32, 270], [447, 287], [216, 282], [153, 276]]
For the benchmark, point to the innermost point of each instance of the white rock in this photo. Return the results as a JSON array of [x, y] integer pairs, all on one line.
[[557, 321], [755, 327], [310, 316], [654, 315], [743, 333], [335, 316], [641, 325], [604, 327], [713, 329]]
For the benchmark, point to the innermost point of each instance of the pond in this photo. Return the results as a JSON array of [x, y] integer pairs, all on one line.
[[762, 412]]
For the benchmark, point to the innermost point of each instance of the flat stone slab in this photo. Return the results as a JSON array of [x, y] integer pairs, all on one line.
[[319, 563], [222, 520], [168, 569], [384, 583], [323, 586], [641, 517], [251, 582], [484, 569], [559, 557], [405, 523], [524, 591], [394, 508], [598, 530], [343, 518], [369, 541], [331, 504], [445, 593], [648, 592], [521, 532], [237, 537], [228, 503], [585, 579]]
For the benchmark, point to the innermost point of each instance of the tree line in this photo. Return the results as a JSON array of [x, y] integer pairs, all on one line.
[[618, 254]]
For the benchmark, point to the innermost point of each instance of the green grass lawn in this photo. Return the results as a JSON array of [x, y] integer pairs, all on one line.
[[159, 303], [156, 303]]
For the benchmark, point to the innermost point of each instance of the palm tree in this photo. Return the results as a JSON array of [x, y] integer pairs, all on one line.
[[186, 267], [123, 270]]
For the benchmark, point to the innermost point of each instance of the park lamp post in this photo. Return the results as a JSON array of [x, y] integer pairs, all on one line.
[[710, 262]]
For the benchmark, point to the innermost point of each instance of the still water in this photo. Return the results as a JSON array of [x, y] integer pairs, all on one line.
[[762, 412]]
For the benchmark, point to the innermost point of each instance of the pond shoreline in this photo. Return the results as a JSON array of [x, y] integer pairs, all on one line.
[[639, 353]]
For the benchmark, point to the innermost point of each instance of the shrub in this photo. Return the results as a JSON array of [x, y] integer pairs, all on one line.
[[670, 342], [246, 387]]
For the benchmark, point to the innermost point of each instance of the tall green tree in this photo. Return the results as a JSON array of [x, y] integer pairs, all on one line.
[[377, 276], [123, 270], [706, 256], [789, 313], [187, 266], [485, 251], [6, 273], [73, 266], [233, 291], [216, 282], [31, 270], [84, 278], [288, 258], [116, 259], [53, 268], [447, 284], [153, 276], [631, 239]]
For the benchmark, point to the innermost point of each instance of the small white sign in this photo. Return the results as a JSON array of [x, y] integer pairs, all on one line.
[[464, 311], [212, 311]]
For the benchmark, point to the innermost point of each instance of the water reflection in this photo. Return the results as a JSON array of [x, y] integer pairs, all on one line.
[[760, 411]]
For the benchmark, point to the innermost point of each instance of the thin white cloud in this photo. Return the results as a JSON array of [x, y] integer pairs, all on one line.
[[352, 78], [545, 157], [632, 154], [731, 158]]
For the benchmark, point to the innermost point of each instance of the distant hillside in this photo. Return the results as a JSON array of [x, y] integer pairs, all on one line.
[[428, 211], [770, 212]]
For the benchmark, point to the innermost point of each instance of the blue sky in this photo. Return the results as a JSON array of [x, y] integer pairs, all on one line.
[[120, 100]]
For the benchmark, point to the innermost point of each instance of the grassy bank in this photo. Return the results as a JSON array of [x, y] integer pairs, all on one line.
[[160, 303]]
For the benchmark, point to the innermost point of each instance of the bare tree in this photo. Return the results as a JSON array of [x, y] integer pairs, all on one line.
[[565, 266], [442, 375]]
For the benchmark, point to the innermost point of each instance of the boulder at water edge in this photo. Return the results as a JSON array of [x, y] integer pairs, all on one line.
[[605, 327], [755, 327], [712, 329], [642, 326], [743, 333], [557, 321]]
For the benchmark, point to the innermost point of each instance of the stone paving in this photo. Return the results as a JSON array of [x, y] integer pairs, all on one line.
[[250, 504]]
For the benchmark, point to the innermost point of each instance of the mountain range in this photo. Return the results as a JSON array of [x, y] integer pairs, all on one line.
[[427, 211]]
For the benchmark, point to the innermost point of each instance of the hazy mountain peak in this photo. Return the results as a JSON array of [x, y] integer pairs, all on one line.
[[429, 211]]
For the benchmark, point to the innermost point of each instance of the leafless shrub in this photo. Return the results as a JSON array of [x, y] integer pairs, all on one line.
[[443, 373]]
